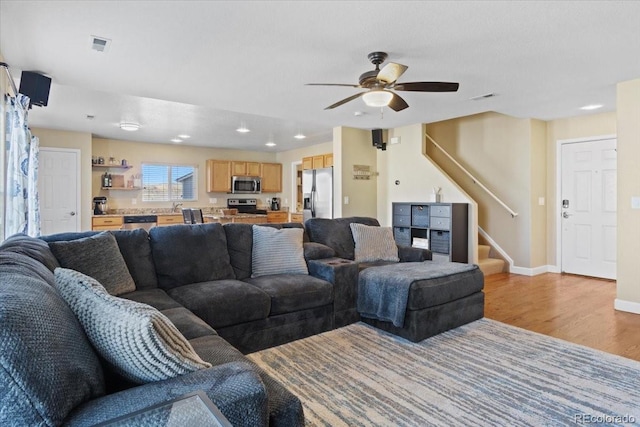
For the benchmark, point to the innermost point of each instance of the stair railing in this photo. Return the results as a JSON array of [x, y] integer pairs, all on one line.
[[473, 178]]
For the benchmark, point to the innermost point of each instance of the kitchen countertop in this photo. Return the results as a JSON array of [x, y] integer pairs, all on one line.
[[238, 215]]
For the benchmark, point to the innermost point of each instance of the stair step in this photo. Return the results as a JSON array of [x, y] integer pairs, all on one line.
[[491, 266], [483, 251]]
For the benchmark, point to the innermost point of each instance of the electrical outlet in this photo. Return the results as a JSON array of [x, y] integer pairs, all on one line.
[[134, 201], [213, 200]]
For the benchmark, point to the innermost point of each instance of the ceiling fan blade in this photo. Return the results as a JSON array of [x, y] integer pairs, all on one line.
[[391, 72], [344, 101], [397, 103], [331, 84], [427, 87]]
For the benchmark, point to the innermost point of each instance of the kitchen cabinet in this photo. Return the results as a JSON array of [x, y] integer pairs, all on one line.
[[277, 217], [170, 220], [218, 176], [317, 162], [443, 227], [307, 163], [240, 168], [271, 174], [295, 217], [102, 223]]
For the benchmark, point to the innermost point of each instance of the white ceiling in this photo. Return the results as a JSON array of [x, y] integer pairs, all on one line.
[[203, 67]]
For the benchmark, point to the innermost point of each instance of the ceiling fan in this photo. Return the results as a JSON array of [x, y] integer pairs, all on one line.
[[380, 83]]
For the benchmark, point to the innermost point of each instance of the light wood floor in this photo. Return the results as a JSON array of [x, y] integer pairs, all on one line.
[[574, 308]]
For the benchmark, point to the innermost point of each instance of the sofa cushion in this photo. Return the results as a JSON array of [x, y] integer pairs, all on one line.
[[189, 325], [97, 256], [136, 339], [223, 302], [136, 251], [373, 243], [277, 251], [32, 247], [47, 365], [156, 298], [190, 254], [336, 233], [240, 244], [294, 292], [314, 250]]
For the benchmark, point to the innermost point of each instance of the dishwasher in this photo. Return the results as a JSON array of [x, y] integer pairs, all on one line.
[[139, 221]]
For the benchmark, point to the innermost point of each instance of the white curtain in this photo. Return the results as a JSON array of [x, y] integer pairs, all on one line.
[[22, 208]]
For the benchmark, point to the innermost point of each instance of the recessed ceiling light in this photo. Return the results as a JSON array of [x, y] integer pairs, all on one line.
[[358, 113], [130, 127], [243, 128], [176, 140], [270, 144], [183, 136], [591, 107], [299, 135]]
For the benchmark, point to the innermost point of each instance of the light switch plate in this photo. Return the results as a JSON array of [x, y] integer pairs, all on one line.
[[635, 202], [346, 200], [541, 201], [134, 201], [213, 200]]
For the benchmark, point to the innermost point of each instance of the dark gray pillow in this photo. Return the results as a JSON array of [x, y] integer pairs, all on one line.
[[277, 251], [185, 254], [97, 256]]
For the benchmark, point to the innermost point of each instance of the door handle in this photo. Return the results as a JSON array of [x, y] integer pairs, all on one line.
[[72, 213], [565, 215]]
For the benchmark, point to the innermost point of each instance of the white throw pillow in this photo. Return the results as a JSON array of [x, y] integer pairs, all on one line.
[[136, 339], [277, 251], [373, 243]]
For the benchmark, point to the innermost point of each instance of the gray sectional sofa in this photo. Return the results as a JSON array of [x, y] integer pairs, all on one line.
[[200, 277]]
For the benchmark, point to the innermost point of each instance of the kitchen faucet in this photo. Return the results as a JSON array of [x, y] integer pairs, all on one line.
[[175, 206]]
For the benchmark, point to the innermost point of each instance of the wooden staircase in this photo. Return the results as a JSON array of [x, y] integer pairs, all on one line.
[[489, 265]]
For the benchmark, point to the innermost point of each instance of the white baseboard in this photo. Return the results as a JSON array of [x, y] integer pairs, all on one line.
[[533, 271], [628, 306]]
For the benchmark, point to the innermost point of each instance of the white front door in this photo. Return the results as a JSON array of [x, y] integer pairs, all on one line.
[[59, 189], [588, 208]]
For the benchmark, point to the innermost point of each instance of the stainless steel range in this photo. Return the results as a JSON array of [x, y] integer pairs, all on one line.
[[247, 206]]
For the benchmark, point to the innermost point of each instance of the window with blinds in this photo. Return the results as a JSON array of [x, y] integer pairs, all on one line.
[[165, 183]]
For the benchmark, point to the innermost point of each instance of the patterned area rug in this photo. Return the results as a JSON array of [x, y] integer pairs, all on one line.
[[485, 373]]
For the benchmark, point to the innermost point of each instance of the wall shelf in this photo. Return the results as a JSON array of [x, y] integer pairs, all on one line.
[[99, 167], [121, 188]]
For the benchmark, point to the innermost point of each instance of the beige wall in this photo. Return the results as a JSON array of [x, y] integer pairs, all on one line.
[[416, 175], [289, 160], [80, 141], [497, 150], [355, 148], [559, 130], [538, 178], [628, 238]]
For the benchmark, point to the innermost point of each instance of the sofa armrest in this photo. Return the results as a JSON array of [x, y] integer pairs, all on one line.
[[343, 274], [235, 388], [411, 254], [313, 250]]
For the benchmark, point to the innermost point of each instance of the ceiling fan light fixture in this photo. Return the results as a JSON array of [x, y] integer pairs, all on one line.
[[129, 127], [377, 98]]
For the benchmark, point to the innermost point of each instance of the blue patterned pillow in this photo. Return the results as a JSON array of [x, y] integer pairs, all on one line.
[[136, 339], [277, 251]]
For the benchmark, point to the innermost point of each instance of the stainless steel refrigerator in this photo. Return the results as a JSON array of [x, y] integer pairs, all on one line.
[[317, 191]]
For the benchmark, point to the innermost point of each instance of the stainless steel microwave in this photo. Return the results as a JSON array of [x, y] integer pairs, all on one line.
[[246, 184]]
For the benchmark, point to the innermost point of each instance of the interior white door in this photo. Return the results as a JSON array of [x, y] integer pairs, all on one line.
[[59, 188], [589, 208]]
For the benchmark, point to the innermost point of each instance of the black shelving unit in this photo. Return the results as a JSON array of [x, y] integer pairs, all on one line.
[[444, 225]]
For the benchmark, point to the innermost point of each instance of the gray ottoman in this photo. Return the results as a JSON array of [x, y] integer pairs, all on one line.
[[439, 296]]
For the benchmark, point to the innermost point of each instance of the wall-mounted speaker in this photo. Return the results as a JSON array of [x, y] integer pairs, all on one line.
[[376, 137], [36, 87]]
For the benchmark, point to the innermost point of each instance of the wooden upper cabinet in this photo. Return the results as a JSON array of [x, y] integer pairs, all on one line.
[[245, 168], [271, 177], [318, 161], [328, 160], [307, 163], [218, 176]]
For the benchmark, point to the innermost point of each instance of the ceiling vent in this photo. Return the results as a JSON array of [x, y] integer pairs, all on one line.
[[100, 44]]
